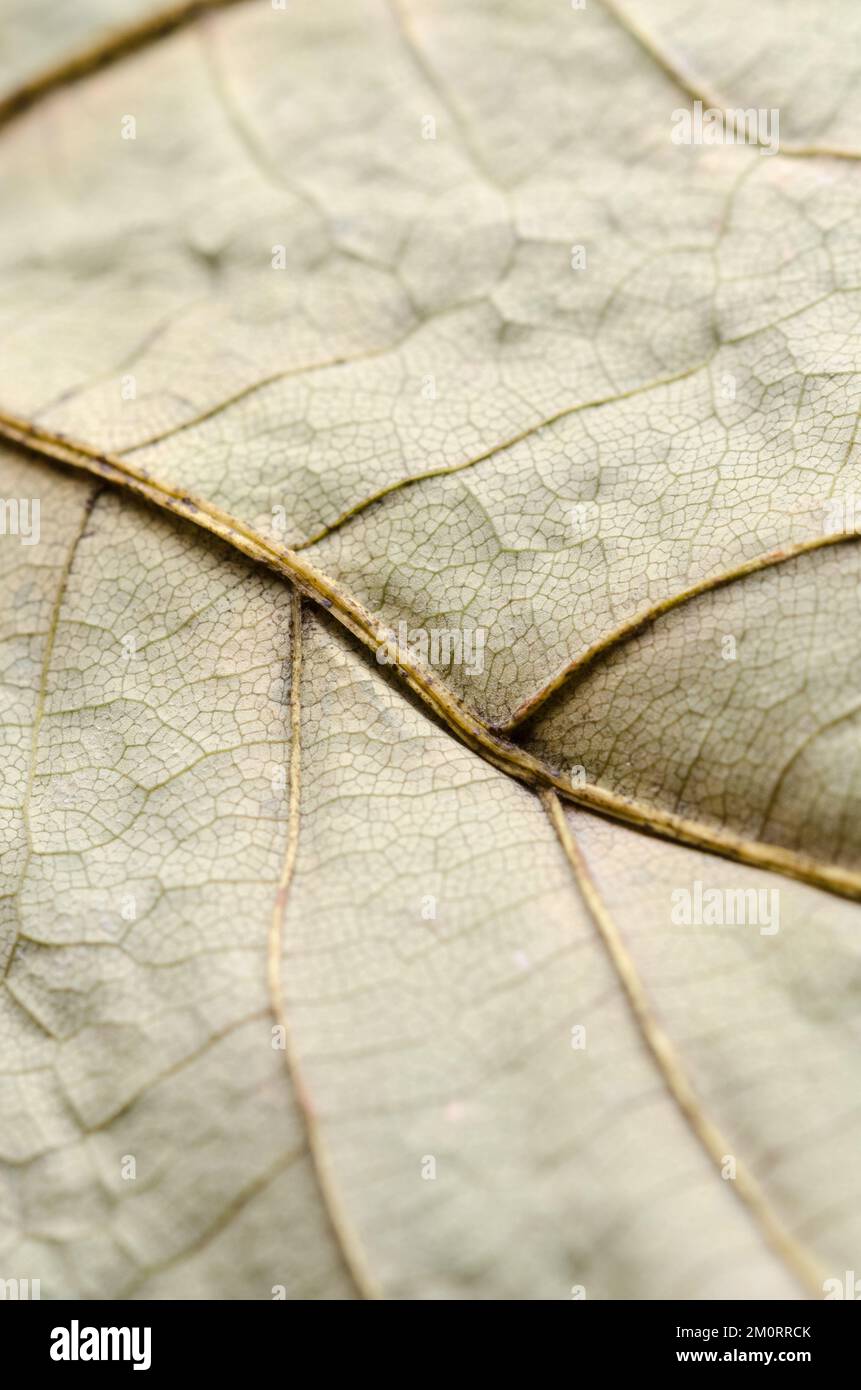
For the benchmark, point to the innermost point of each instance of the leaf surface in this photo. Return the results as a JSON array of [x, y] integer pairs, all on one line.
[[329, 977]]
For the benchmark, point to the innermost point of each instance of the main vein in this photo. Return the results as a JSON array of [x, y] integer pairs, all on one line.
[[111, 48], [509, 757]]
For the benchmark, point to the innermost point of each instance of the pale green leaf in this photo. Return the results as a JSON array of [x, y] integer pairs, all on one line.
[[328, 328]]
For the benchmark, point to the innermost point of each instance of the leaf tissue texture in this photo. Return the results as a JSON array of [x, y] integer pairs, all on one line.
[[430, 491]]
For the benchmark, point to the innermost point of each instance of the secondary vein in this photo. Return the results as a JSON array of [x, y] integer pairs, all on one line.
[[488, 743], [801, 1263], [342, 1228]]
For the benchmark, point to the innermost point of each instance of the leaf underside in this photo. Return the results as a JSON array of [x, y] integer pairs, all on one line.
[[326, 977]]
